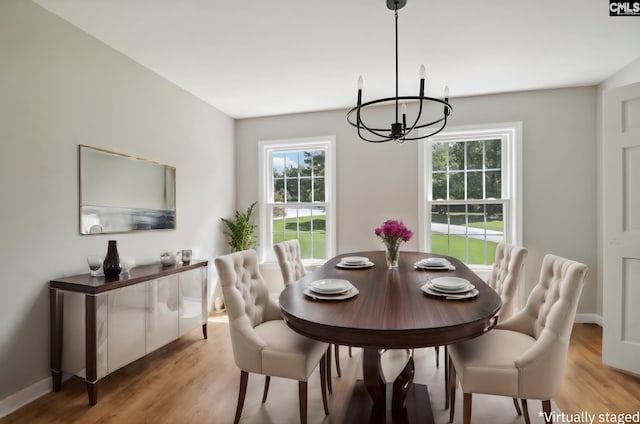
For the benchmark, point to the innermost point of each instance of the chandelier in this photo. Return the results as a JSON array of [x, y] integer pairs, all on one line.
[[400, 130]]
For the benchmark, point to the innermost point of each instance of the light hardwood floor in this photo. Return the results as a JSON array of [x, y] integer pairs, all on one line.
[[195, 381], [591, 386]]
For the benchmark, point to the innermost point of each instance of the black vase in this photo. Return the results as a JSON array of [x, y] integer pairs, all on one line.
[[111, 265]]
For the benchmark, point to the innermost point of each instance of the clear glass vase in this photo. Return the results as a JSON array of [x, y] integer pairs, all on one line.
[[392, 254]]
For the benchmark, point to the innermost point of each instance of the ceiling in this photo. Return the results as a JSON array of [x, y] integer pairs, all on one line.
[[251, 58]]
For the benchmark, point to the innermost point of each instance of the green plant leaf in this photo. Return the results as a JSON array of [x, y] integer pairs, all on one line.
[[240, 230]]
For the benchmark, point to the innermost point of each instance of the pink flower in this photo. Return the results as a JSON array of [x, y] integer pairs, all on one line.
[[393, 231]]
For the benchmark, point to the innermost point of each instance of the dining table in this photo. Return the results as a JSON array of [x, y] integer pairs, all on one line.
[[389, 310]]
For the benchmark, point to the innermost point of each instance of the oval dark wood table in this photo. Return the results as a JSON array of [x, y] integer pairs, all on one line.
[[390, 312]]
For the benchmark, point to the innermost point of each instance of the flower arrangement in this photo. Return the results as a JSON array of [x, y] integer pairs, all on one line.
[[392, 233]]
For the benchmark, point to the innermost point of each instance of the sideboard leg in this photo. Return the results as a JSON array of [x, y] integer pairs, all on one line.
[[205, 297], [56, 305], [91, 360], [92, 392]]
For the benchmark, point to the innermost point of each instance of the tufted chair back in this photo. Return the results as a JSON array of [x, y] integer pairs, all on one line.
[[248, 304], [508, 270], [290, 261], [547, 317]]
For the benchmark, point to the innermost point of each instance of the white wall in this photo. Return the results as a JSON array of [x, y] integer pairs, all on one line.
[[59, 88], [377, 182]]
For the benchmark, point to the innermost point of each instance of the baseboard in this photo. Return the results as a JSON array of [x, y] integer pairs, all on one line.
[[589, 319], [24, 396]]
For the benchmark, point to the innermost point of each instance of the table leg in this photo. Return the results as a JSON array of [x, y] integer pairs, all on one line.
[[56, 309], [409, 403], [375, 383], [373, 378], [402, 384], [91, 361]]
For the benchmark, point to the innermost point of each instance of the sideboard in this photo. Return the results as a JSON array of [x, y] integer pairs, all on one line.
[[99, 324]]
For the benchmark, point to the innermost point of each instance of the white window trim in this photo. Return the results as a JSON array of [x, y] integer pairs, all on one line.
[[511, 162], [266, 148]]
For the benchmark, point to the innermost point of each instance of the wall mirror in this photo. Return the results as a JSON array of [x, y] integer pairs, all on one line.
[[120, 193]]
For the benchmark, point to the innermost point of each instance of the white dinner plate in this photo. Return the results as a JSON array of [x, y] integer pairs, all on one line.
[[467, 288], [330, 286], [434, 267], [449, 283], [353, 291], [434, 261], [354, 260], [450, 296], [354, 266]]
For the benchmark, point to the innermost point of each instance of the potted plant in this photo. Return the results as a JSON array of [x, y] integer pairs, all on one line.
[[240, 230]]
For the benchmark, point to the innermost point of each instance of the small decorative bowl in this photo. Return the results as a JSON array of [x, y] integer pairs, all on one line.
[[167, 259]]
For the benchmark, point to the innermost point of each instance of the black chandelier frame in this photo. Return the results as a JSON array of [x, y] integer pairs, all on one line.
[[399, 131]]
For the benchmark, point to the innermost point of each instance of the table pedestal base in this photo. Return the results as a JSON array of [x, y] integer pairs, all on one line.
[[417, 407]]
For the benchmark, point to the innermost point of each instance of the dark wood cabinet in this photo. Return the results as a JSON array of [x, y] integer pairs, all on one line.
[[99, 324]]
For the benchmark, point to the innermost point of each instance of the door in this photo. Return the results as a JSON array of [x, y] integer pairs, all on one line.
[[126, 325], [621, 224], [192, 309], [163, 304]]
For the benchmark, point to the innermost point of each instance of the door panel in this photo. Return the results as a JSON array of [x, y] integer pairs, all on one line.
[[621, 224], [162, 311]]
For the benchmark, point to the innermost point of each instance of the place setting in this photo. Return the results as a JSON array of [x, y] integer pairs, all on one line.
[[331, 289], [450, 288], [434, 264], [354, 262]]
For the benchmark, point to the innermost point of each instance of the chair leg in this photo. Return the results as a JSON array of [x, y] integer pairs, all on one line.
[[244, 377], [467, 408], [337, 352], [452, 390], [302, 395], [437, 348], [525, 411], [349, 351], [517, 405], [267, 380], [446, 377], [323, 382], [546, 408], [329, 387]]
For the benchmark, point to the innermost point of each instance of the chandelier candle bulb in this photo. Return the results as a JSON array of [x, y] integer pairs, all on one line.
[[404, 115], [360, 82], [422, 72]]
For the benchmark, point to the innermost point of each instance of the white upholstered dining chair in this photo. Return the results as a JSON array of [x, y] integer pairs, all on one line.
[[524, 356], [292, 269], [262, 342], [506, 275], [290, 260]]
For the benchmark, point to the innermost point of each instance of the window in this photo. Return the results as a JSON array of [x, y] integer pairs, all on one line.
[[296, 196], [471, 192]]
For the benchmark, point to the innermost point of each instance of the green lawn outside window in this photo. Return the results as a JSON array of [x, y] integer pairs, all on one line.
[[300, 228]]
